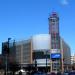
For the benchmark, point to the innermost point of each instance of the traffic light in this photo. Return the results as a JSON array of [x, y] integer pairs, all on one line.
[[5, 48]]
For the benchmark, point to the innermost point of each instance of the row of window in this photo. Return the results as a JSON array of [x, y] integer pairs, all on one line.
[[55, 46], [53, 20], [56, 66], [55, 41]]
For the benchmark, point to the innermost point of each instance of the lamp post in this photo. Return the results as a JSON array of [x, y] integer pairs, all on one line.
[[46, 62], [6, 55], [35, 62], [8, 44], [6, 65]]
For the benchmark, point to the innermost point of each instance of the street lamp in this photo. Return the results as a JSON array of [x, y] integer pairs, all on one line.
[[6, 55], [8, 44], [35, 62], [46, 61]]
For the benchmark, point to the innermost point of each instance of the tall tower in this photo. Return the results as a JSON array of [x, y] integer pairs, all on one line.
[[54, 30], [55, 42]]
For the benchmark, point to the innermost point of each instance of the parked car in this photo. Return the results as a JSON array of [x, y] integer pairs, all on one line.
[[40, 73], [66, 73], [52, 73], [59, 73], [72, 73]]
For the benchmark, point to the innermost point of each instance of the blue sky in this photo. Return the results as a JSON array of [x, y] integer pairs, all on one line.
[[20, 19]]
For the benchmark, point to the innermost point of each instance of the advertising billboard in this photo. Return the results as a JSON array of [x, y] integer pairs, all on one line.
[[55, 56]]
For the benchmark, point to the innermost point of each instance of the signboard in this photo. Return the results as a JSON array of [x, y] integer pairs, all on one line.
[[55, 51], [56, 55], [42, 62]]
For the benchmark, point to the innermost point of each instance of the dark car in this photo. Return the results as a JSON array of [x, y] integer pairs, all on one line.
[[40, 73], [53, 73], [66, 73], [58, 73], [72, 73]]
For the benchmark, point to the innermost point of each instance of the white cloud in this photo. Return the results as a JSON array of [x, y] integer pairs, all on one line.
[[64, 2]]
